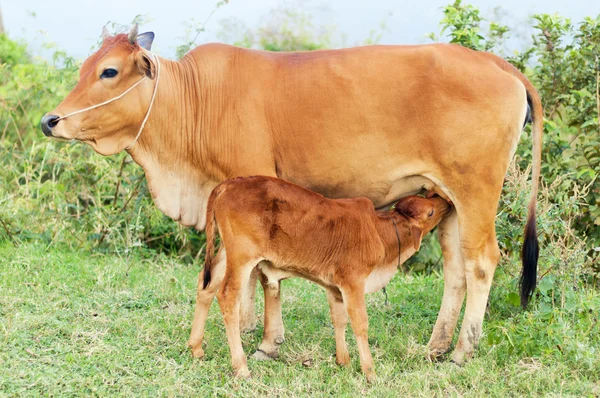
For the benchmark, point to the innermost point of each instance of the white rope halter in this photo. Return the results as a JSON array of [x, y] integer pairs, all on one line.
[[156, 59]]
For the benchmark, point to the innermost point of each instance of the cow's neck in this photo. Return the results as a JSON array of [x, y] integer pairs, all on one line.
[[170, 148]]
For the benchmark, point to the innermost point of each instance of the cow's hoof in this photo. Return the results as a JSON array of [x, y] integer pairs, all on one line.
[[458, 361], [461, 357], [261, 355], [435, 355]]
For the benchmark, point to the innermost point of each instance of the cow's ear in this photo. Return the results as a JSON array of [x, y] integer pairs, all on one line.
[[145, 64], [145, 40], [417, 234]]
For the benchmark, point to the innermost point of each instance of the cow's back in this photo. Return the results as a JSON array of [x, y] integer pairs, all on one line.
[[366, 121]]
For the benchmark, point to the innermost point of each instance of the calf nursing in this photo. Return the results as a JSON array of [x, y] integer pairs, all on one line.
[[343, 245]]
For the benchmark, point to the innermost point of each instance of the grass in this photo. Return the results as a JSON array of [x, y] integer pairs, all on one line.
[[74, 323]]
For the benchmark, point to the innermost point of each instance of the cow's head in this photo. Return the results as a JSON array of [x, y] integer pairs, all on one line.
[[423, 214], [121, 61]]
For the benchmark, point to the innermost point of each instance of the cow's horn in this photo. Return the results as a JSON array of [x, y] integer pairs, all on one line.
[[105, 33], [133, 34]]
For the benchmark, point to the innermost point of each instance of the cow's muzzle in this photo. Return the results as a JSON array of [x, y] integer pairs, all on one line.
[[48, 123]]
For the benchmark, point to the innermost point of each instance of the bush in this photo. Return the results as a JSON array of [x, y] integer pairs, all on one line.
[[564, 66], [61, 193], [66, 194], [12, 52]]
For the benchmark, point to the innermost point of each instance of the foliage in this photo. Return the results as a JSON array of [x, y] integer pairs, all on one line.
[[61, 193], [196, 29], [463, 25], [564, 66], [66, 194], [567, 75], [284, 29], [12, 52]]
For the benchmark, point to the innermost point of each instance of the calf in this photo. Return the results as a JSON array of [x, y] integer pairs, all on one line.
[[343, 245]]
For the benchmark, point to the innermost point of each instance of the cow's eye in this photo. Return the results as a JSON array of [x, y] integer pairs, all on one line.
[[108, 73], [430, 213]]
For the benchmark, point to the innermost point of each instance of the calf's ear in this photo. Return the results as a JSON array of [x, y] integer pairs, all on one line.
[[417, 234]]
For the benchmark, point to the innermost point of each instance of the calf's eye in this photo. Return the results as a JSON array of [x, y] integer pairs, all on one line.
[[108, 73], [430, 213]]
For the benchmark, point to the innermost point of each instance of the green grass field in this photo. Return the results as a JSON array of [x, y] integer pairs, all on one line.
[[75, 323]]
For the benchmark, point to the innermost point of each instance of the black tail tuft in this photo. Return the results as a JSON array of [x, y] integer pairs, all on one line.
[[529, 257]]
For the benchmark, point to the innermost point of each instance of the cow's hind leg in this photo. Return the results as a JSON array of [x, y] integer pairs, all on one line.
[[204, 298], [273, 325], [481, 254], [454, 287]]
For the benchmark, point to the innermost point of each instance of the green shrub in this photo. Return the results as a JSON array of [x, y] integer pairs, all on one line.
[[66, 194], [12, 52], [60, 193], [563, 64]]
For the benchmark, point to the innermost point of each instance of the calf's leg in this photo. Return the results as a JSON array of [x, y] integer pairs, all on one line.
[[247, 309], [455, 286], [273, 324], [354, 302], [204, 298], [339, 317], [229, 296]]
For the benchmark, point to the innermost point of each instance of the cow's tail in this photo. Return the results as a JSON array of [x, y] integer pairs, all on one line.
[[211, 229], [531, 248]]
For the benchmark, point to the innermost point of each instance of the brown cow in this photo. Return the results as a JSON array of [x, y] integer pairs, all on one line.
[[340, 244], [377, 121]]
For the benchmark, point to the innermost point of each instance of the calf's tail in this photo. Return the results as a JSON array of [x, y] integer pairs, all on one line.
[[211, 229]]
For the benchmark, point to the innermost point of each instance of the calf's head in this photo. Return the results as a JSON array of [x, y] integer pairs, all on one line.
[[121, 62], [422, 214]]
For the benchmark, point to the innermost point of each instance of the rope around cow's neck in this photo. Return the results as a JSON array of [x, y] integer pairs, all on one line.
[[156, 59], [387, 302]]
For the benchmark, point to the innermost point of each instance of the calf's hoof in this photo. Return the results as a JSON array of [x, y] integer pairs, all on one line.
[[242, 373], [370, 375], [248, 328], [343, 359], [197, 352]]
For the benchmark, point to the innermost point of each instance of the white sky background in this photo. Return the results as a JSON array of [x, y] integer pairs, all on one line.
[[75, 25]]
